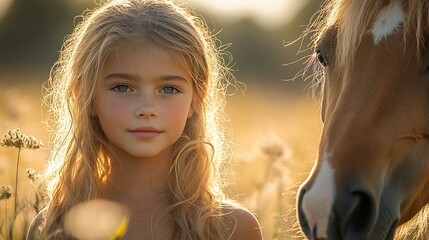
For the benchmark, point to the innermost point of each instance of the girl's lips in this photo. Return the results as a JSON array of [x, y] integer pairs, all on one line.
[[145, 133]]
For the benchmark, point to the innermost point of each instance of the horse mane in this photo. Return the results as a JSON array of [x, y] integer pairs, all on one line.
[[353, 18]]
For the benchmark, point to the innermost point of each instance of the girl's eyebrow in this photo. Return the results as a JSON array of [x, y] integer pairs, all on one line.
[[132, 77], [174, 77], [122, 76]]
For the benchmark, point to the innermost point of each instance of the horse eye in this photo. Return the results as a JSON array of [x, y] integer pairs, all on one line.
[[321, 58]]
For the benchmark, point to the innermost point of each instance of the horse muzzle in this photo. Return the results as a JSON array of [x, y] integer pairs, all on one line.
[[355, 214]]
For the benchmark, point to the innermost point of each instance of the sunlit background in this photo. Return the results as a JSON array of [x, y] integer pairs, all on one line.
[[275, 122]]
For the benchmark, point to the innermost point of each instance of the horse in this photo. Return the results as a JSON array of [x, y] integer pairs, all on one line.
[[371, 176]]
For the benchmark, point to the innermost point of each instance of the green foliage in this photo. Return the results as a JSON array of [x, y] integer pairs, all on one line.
[[32, 32]]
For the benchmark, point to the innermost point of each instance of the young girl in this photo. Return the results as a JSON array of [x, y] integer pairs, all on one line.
[[137, 94]]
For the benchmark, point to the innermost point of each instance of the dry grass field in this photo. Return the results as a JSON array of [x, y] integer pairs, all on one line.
[[275, 143]]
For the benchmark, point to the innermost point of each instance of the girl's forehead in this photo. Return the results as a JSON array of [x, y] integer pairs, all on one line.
[[150, 48], [133, 56]]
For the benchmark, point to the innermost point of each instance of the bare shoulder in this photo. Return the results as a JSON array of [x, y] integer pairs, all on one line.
[[247, 226]]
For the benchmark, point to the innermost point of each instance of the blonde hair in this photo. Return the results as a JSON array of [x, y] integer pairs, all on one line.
[[80, 159]]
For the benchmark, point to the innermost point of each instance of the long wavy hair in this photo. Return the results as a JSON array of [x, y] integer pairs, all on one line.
[[80, 160]]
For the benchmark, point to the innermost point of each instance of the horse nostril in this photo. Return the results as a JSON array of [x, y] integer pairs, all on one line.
[[315, 234], [359, 217]]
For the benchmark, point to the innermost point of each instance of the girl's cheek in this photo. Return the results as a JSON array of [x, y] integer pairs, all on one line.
[[113, 112], [181, 108], [122, 105]]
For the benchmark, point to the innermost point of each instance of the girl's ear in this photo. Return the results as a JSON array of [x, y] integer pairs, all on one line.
[[92, 110], [195, 108], [75, 92], [191, 111], [191, 108]]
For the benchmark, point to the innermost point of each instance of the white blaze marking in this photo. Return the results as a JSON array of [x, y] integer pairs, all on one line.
[[387, 21], [317, 202]]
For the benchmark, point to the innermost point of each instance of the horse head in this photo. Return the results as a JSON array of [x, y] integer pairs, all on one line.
[[372, 171]]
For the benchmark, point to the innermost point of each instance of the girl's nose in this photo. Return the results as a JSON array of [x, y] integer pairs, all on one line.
[[147, 107]]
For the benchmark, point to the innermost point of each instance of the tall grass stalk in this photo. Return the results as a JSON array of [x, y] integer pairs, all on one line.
[[5, 217], [16, 184], [16, 139]]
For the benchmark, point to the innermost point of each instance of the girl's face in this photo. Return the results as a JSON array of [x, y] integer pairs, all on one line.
[[143, 101]]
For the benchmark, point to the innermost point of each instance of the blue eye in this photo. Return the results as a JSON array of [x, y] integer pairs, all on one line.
[[121, 88], [169, 90]]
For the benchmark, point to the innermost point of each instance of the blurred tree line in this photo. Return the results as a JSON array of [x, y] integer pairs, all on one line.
[[32, 32]]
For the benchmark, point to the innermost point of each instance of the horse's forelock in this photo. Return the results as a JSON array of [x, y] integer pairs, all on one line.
[[353, 18]]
